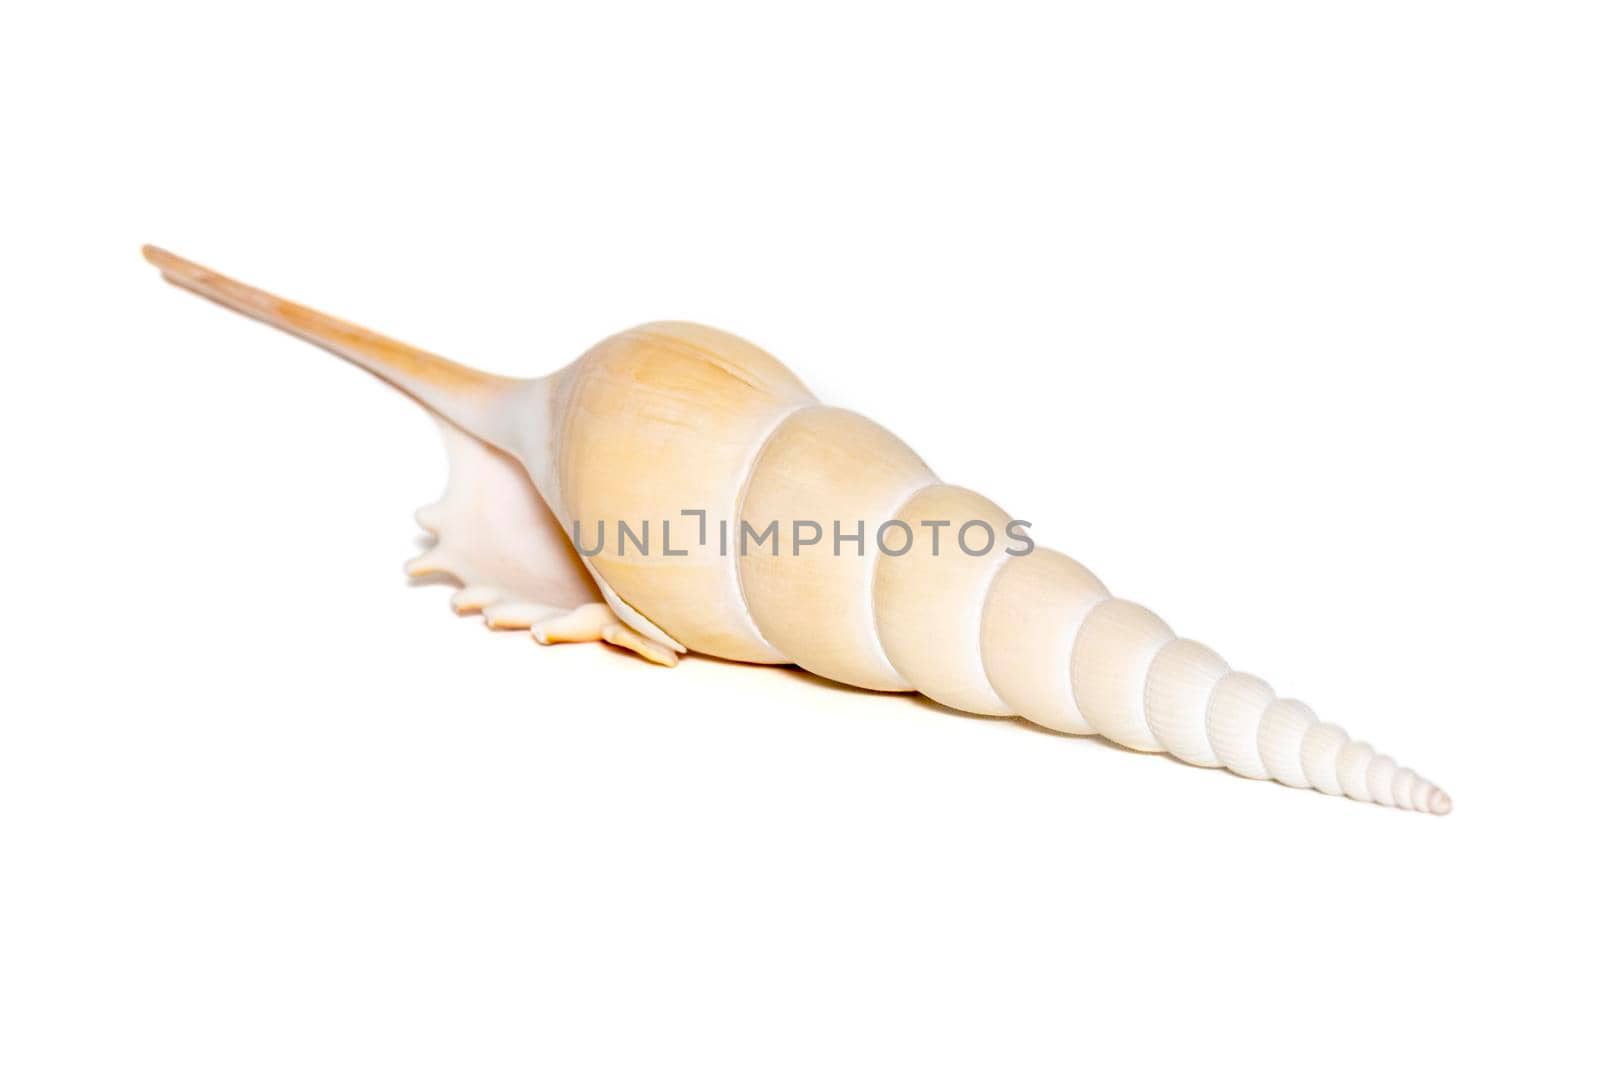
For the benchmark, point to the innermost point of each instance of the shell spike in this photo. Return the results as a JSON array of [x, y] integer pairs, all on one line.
[[431, 516], [429, 563], [472, 399]]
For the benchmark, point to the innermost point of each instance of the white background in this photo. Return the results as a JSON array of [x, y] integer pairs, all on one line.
[[1281, 317]]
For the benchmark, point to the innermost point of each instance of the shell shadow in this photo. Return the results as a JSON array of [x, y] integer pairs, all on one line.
[[929, 704]]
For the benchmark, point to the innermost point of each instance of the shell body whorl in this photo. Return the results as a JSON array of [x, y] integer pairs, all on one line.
[[653, 421]]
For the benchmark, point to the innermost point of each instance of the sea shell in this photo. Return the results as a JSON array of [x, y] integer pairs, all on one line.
[[678, 489]]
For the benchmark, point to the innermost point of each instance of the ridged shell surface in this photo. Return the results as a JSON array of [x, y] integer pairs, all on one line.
[[672, 417], [654, 421]]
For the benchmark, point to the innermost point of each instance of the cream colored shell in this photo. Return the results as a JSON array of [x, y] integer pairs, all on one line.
[[673, 425]]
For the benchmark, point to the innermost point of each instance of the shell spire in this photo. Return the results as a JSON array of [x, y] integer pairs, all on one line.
[[1184, 699], [1129, 678], [1008, 633]]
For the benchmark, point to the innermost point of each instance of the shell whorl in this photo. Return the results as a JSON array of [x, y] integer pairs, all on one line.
[[1038, 636], [1033, 635]]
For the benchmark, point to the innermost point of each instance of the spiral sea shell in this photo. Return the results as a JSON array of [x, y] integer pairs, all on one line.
[[678, 489]]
